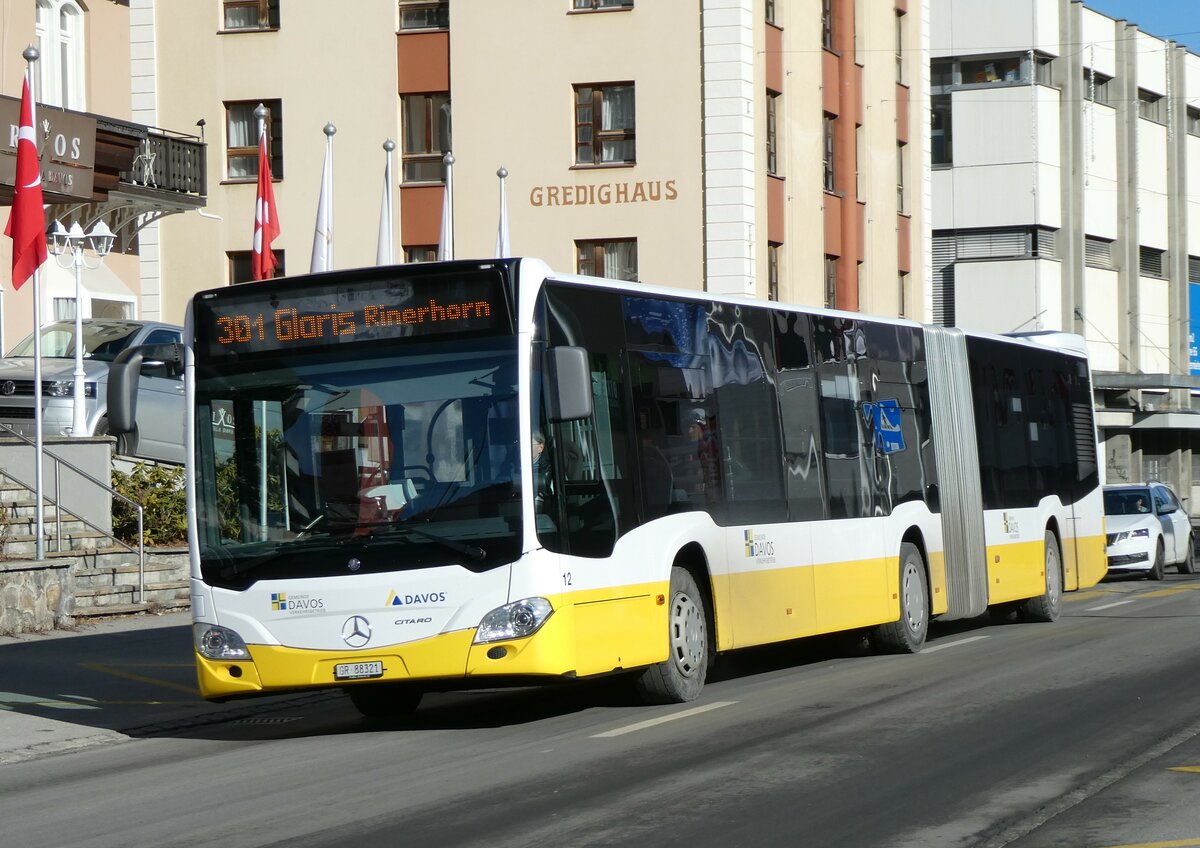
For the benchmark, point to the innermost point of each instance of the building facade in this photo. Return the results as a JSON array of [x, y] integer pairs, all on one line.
[[743, 146], [1066, 190]]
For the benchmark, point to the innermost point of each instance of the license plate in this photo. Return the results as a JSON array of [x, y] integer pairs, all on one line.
[[358, 671]]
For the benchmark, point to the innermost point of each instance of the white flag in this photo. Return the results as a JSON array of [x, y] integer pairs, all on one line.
[[446, 242], [502, 246], [322, 250]]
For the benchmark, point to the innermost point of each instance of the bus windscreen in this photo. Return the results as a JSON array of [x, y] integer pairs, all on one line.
[[338, 312]]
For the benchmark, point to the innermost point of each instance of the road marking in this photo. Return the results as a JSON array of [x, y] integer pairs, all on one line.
[[1173, 843], [1185, 768], [1162, 593], [651, 722], [154, 681], [11, 700], [1073, 597], [1108, 606], [946, 645]]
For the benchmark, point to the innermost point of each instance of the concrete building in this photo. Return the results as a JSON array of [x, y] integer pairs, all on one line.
[[1066, 169], [763, 148], [99, 160]]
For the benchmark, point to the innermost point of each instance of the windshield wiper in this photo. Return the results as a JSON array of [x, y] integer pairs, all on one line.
[[465, 548]]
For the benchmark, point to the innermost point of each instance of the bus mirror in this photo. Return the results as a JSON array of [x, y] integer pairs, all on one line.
[[570, 383], [123, 377]]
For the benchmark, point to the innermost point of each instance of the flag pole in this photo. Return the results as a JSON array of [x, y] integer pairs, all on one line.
[[385, 252], [329, 130], [502, 247], [322, 249], [446, 243]]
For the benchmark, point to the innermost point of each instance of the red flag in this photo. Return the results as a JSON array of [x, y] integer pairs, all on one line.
[[27, 219], [266, 219]]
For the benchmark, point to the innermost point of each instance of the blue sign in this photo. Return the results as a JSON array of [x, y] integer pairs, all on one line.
[[884, 419], [1193, 327]]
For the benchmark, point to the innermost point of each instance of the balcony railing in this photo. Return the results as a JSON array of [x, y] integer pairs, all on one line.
[[169, 161]]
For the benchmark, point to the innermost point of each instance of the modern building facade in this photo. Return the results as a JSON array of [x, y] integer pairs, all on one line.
[[747, 146], [1066, 195], [98, 161]]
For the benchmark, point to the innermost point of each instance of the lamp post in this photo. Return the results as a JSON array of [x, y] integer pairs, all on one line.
[[61, 240]]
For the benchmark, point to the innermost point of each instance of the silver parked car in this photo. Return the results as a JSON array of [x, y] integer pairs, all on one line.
[[160, 397]]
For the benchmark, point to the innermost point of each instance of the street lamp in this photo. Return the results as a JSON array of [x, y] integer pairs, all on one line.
[[61, 240]]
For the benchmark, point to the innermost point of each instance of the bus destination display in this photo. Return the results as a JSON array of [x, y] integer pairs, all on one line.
[[342, 313]]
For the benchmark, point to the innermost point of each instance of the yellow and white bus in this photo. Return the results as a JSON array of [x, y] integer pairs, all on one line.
[[714, 472]]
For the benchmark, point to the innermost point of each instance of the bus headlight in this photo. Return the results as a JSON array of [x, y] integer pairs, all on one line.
[[514, 621], [219, 643]]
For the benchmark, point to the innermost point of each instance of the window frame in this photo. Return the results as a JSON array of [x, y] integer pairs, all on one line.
[[829, 175], [274, 129], [412, 160], [1151, 106], [599, 136], [440, 8], [587, 7], [238, 261], [827, 24], [597, 248], [414, 254], [772, 133], [268, 15], [56, 84]]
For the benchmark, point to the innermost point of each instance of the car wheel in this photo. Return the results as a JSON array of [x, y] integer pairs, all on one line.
[[1188, 564], [1156, 573]]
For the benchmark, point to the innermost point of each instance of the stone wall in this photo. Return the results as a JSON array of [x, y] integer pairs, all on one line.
[[34, 596]]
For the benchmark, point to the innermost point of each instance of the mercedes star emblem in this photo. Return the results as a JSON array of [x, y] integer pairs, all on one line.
[[356, 632]]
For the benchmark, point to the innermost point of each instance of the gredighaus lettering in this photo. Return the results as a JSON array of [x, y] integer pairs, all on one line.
[[647, 191]]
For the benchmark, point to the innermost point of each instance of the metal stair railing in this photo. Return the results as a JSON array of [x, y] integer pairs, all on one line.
[[140, 550]]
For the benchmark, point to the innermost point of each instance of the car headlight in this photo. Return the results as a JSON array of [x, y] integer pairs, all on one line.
[[1125, 535], [514, 621], [219, 643], [66, 388]]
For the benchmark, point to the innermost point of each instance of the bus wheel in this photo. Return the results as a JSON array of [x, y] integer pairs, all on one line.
[[681, 676], [1047, 607], [907, 634], [384, 700]]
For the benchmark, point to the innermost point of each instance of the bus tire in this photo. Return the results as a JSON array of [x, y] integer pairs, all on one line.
[[1047, 606], [384, 700], [906, 635], [680, 677]]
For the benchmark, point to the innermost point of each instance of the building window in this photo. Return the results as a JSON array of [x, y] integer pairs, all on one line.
[[987, 71], [604, 124], [1150, 106], [902, 294], [831, 263], [1193, 120], [899, 46], [241, 142], [771, 12], [773, 270], [1095, 86], [614, 259], [600, 5], [1151, 262], [901, 170], [421, 253], [58, 78], [827, 24], [828, 152], [940, 135], [243, 15], [426, 136], [239, 266], [1097, 252], [772, 133], [860, 159], [941, 73], [421, 14]]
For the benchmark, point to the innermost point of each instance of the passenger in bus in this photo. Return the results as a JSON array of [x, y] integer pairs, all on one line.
[[543, 472], [705, 453]]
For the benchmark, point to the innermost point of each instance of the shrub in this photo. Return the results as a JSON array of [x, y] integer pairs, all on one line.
[[159, 489]]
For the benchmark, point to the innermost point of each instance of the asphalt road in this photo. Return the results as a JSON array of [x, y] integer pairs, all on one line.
[[1082, 733]]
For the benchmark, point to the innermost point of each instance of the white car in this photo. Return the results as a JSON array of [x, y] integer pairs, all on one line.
[[1148, 529]]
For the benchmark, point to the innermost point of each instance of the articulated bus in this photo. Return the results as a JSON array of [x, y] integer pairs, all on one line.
[[712, 472]]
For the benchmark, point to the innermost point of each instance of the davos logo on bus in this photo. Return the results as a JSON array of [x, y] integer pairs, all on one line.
[[281, 602], [759, 547], [395, 599], [884, 418]]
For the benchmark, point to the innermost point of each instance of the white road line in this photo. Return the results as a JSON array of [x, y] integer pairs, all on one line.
[[651, 722], [946, 645], [1108, 606]]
